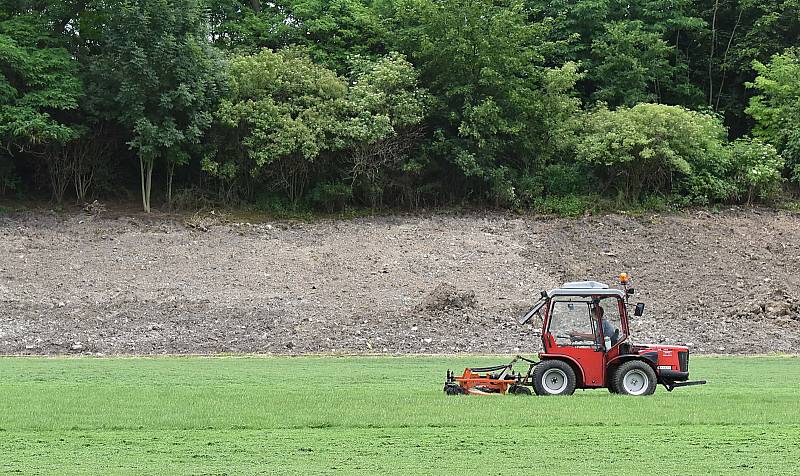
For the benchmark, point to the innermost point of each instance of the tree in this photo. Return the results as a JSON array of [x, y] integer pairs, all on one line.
[[776, 107], [485, 63], [288, 112], [331, 30], [39, 86], [631, 64], [158, 77], [89, 157], [632, 50], [246, 26], [386, 107], [738, 33], [413, 101], [335, 30]]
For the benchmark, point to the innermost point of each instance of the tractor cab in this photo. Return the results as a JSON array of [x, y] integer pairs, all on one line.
[[586, 344], [585, 323]]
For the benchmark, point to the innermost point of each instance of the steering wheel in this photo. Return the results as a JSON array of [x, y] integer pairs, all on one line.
[[571, 337]]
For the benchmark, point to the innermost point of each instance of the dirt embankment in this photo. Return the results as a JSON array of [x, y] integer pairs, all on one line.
[[720, 282]]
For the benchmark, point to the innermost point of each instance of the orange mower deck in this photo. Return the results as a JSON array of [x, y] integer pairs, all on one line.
[[498, 380]]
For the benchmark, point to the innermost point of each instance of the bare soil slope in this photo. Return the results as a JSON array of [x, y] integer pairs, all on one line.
[[720, 282]]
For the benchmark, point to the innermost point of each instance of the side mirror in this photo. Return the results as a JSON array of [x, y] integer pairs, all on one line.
[[639, 309], [543, 294], [629, 291]]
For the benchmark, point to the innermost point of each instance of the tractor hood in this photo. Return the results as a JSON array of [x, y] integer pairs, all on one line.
[[662, 349], [671, 362]]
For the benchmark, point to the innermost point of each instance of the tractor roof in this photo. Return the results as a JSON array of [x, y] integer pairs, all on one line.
[[585, 288], [584, 285]]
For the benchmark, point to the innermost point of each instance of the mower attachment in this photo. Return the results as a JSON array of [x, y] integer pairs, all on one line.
[[496, 380]]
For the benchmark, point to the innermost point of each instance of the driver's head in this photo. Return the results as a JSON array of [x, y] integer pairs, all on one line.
[[600, 311]]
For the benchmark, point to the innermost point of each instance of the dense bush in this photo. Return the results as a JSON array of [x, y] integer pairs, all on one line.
[[330, 196], [756, 170], [293, 120], [653, 148], [287, 112]]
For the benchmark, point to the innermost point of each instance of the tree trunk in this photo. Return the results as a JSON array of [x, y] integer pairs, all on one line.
[[169, 184], [256, 5], [83, 181], [725, 58], [146, 170], [711, 55], [83, 171], [59, 169]]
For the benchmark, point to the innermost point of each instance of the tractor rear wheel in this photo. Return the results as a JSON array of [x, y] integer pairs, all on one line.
[[635, 378], [553, 377]]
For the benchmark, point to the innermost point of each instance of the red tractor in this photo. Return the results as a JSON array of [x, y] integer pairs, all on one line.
[[586, 342]]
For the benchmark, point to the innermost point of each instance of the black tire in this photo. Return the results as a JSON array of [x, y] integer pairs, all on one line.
[[635, 378], [553, 377], [519, 390], [612, 385]]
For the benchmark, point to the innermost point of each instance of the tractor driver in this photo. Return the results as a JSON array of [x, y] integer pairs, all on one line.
[[608, 329]]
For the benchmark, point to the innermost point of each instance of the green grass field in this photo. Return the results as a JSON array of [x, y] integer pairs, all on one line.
[[367, 415]]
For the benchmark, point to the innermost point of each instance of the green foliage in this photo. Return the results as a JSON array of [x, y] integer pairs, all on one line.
[[633, 51], [768, 28], [332, 31], [776, 107], [757, 169], [38, 83], [288, 112], [336, 30], [331, 196], [652, 148], [410, 102], [499, 110], [566, 205], [386, 107], [247, 26], [629, 62], [563, 179], [159, 78], [294, 116], [384, 98]]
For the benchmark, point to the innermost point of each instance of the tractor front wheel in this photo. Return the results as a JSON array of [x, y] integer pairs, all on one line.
[[635, 378], [553, 377]]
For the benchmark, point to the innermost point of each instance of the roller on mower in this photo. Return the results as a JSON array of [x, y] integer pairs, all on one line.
[[586, 341]]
